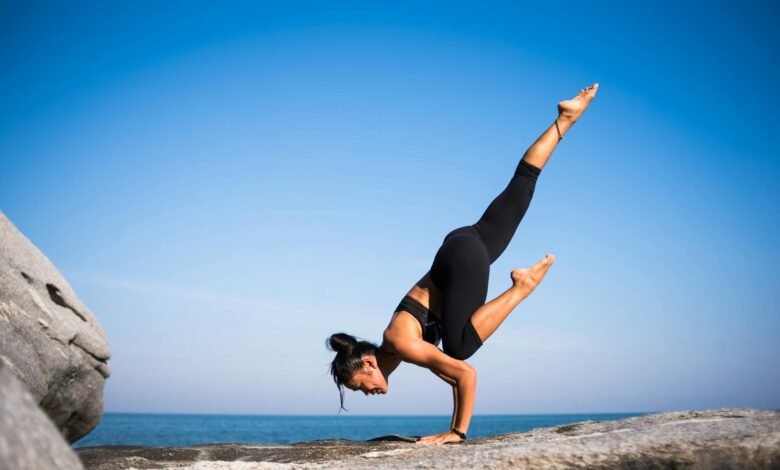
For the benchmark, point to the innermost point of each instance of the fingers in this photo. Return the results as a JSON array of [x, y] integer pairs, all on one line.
[[425, 440], [430, 440]]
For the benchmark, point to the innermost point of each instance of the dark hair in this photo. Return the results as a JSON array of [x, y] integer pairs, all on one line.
[[348, 360]]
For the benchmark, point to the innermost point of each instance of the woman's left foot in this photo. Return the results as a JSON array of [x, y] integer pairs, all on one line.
[[529, 278], [572, 109]]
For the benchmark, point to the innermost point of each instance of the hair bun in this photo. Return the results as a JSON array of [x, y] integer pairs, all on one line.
[[342, 342]]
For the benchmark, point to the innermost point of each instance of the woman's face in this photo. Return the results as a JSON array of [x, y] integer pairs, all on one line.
[[369, 380]]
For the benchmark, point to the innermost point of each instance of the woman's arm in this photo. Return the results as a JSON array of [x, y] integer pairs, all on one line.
[[427, 355], [452, 383]]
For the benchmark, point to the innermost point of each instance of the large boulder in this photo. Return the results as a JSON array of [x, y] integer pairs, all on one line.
[[48, 338], [28, 438]]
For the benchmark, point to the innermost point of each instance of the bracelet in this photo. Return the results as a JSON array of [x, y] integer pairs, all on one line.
[[458, 433], [560, 137]]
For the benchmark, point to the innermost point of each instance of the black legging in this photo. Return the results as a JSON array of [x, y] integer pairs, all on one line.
[[461, 267]]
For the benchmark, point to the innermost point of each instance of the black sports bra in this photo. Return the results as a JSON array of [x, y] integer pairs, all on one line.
[[431, 327]]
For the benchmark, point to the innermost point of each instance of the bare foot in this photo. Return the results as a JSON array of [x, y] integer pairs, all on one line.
[[572, 109], [529, 278]]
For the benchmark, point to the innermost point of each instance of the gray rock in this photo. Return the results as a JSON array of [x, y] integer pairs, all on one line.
[[737, 438], [48, 338], [28, 438]]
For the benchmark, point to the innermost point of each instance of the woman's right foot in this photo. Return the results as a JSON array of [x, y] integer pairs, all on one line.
[[529, 278], [572, 109]]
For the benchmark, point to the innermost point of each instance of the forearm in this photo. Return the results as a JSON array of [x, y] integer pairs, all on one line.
[[454, 384], [460, 375], [454, 406], [466, 392]]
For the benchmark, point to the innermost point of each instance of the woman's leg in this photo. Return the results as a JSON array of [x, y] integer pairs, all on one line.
[[499, 222], [569, 111], [461, 269], [487, 318]]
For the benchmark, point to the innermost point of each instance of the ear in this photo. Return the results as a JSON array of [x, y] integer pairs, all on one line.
[[369, 362]]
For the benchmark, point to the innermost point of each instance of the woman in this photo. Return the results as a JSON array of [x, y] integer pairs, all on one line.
[[448, 303]]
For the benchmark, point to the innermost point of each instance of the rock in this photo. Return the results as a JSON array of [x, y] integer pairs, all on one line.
[[48, 338], [736, 438], [28, 438]]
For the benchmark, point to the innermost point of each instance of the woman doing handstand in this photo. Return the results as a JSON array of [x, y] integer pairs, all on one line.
[[448, 303]]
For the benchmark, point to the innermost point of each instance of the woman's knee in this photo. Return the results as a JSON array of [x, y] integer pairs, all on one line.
[[467, 345], [460, 353]]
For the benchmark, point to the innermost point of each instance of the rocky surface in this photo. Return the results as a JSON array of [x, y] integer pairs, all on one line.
[[48, 338], [28, 438], [734, 438]]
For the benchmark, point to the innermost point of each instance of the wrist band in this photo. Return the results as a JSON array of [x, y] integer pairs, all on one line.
[[458, 433]]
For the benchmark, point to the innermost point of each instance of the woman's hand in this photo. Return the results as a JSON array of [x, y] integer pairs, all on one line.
[[441, 438]]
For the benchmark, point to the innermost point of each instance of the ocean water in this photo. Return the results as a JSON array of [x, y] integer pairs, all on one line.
[[190, 429]]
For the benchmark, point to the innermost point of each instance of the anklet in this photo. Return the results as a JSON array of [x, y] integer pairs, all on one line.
[[560, 137]]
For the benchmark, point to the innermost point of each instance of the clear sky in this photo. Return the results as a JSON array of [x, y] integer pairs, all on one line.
[[225, 185]]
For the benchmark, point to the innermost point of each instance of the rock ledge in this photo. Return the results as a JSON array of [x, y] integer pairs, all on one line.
[[733, 438]]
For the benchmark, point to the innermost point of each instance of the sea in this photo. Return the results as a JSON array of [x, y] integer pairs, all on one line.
[[164, 430]]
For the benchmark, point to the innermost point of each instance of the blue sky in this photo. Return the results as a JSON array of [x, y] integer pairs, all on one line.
[[227, 185]]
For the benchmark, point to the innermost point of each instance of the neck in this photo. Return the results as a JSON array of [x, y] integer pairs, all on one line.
[[386, 362]]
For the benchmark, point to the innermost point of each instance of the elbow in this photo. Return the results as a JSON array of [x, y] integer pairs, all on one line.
[[468, 374]]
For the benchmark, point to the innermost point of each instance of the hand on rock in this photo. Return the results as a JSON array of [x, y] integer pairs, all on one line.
[[441, 438]]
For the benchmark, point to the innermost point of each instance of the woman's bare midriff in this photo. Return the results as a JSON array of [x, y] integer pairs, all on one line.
[[427, 294]]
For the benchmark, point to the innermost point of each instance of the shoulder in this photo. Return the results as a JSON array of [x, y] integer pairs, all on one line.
[[403, 327]]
